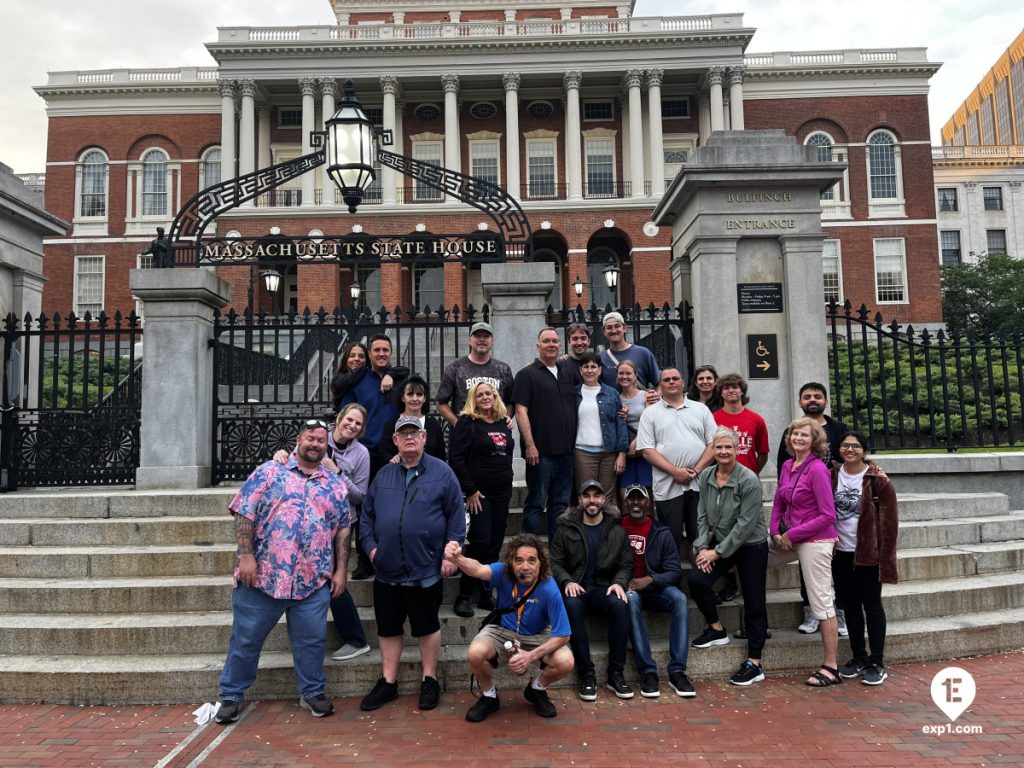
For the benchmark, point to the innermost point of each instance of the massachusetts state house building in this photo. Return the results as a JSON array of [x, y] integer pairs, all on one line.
[[578, 108]]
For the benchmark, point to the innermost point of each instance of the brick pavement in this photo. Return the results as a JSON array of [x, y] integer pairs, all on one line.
[[725, 726]]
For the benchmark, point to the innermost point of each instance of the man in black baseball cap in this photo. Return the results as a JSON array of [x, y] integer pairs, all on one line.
[[592, 563]]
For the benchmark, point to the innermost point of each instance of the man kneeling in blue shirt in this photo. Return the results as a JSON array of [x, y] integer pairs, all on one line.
[[533, 624]]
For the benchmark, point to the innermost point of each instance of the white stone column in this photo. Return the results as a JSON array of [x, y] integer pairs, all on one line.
[[389, 85], [328, 89], [736, 98], [634, 79], [655, 134], [263, 157], [715, 76], [227, 129], [452, 137], [703, 117], [247, 131], [511, 81], [726, 117], [573, 151], [308, 87]]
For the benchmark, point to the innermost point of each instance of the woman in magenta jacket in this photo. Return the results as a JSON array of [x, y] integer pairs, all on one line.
[[803, 528]]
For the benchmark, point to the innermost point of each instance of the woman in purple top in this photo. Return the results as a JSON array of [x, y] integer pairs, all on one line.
[[803, 528]]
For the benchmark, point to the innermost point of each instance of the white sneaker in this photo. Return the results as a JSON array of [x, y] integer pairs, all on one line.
[[349, 651], [841, 621], [810, 625]]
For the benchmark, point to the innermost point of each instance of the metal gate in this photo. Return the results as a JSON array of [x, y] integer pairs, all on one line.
[[71, 401], [271, 372]]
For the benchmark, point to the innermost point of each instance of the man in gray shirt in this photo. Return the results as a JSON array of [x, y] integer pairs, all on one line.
[[461, 374], [675, 437]]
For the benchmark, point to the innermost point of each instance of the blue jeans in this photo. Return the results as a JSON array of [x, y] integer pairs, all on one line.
[[346, 620], [668, 600], [254, 614], [548, 483]]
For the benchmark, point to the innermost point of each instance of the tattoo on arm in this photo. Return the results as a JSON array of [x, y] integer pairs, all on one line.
[[245, 531], [341, 539]]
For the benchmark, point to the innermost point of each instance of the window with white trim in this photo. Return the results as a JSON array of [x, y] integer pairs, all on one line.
[[890, 270], [209, 168], [832, 271], [885, 176], [484, 160], [596, 111], [88, 289], [948, 202], [600, 160], [428, 287], [675, 107], [289, 117], [541, 168], [949, 241], [93, 185], [428, 152], [822, 144], [154, 183], [996, 240], [993, 198]]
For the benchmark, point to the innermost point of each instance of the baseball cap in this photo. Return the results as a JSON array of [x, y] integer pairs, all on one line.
[[636, 488], [481, 326], [587, 484], [612, 317], [408, 421]]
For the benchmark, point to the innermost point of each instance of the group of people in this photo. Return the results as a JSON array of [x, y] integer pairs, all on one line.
[[681, 465]]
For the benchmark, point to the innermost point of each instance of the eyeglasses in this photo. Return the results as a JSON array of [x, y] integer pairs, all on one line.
[[851, 447], [315, 423]]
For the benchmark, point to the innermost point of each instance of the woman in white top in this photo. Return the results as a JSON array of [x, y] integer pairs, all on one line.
[[601, 437]]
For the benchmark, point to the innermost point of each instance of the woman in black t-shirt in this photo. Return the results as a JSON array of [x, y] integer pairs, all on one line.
[[481, 457], [414, 400]]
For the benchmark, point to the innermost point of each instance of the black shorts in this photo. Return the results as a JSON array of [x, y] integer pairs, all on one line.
[[393, 604]]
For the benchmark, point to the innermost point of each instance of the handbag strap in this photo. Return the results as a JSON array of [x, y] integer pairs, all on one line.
[[519, 603]]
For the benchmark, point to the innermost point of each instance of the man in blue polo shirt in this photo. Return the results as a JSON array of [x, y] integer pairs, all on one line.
[[533, 621]]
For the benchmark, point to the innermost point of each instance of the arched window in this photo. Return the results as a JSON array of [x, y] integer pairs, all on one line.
[[822, 144], [882, 165], [154, 183], [209, 168], [93, 185]]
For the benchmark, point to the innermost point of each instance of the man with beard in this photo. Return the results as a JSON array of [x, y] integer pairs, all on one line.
[[579, 345], [290, 519], [655, 586], [463, 373], [591, 561], [532, 619], [813, 402]]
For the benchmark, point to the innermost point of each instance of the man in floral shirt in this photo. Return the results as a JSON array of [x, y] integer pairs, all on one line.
[[290, 520]]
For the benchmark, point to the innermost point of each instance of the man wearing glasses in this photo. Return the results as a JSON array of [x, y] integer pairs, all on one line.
[[412, 511], [290, 519]]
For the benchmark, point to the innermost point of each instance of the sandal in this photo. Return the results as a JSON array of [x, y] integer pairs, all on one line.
[[818, 680]]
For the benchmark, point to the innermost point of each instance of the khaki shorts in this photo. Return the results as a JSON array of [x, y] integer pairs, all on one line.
[[816, 566], [497, 635]]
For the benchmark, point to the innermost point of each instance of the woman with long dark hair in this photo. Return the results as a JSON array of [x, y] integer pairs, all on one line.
[[414, 400], [703, 387]]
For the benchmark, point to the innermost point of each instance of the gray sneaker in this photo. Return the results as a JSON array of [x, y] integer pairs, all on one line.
[[874, 675], [810, 625], [853, 668], [841, 621], [350, 651]]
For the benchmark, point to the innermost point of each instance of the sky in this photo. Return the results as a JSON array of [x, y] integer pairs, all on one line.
[[54, 35]]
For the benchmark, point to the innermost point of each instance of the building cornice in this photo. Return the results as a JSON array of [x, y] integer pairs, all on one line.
[[184, 81]]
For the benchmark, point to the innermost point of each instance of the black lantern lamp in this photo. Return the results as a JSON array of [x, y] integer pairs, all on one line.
[[578, 287], [271, 279], [351, 148], [611, 276]]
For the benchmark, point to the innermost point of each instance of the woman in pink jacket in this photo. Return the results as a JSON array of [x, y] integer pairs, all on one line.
[[803, 528]]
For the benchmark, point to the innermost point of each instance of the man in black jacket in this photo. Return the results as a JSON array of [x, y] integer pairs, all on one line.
[[592, 563], [655, 586]]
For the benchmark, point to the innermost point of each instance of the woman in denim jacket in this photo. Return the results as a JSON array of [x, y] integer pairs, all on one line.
[[601, 436]]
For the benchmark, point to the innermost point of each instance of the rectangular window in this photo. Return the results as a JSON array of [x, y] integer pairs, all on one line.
[[428, 152], [289, 117], [675, 107], [484, 160], [428, 287], [1004, 134], [947, 199], [376, 114], [972, 130], [598, 110], [890, 270], [89, 275], [949, 239], [831, 267], [993, 197], [600, 157], [1017, 75], [94, 189], [988, 131], [541, 168], [996, 239]]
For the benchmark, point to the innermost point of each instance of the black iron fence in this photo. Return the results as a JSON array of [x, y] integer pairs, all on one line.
[[923, 389], [71, 400], [667, 331], [271, 372]]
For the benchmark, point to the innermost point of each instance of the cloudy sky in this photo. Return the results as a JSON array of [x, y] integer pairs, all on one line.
[[53, 35]]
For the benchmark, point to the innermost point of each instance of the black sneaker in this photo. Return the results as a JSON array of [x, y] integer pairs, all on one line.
[[463, 607], [362, 571], [381, 694], [588, 688], [853, 668], [747, 674], [227, 712], [319, 705], [542, 703], [710, 637], [430, 693], [485, 707], [730, 590], [741, 634], [649, 687], [874, 675], [681, 684], [617, 685], [486, 602]]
